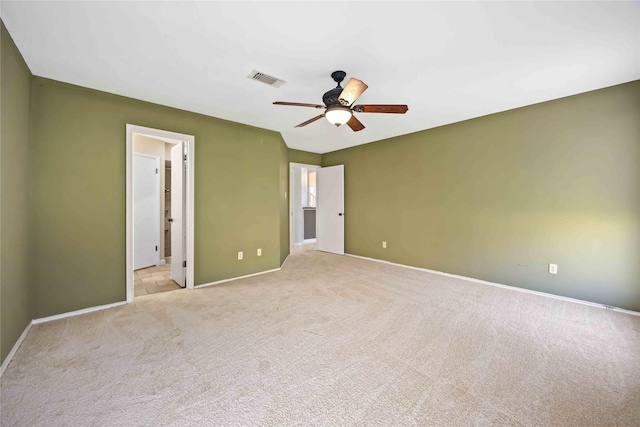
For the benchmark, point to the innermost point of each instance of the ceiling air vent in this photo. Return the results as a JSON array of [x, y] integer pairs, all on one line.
[[264, 78]]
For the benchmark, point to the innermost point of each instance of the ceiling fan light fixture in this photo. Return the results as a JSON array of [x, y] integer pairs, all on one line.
[[338, 115], [338, 104]]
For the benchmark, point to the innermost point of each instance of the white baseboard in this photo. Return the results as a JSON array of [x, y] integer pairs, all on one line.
[[204, 285], [77, 312], [162, 262], [499, 285], [15, 348], [285, 260]]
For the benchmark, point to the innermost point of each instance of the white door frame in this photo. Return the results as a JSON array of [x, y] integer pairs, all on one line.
[[291, 164], [177, 208], [157, 212], [189, 214]]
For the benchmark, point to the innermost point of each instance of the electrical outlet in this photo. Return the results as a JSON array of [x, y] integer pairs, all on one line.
[[240, 256], [553, 268], [259, 252], [384, 245]]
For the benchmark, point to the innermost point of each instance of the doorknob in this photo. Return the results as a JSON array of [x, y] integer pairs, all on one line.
[[340, 214], [170, 219]]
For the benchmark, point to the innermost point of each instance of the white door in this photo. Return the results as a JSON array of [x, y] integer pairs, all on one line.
[[177, 214], [146, 211], [330, 209]]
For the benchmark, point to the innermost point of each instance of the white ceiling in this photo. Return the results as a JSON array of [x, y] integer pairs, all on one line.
[[447, 61]]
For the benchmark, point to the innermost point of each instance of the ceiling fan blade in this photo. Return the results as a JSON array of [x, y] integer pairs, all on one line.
[[310, 121], [351, 92], [381, 108], [355, 124], [299, 104]]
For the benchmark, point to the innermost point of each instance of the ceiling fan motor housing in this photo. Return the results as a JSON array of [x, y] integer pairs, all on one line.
[[331, 97]]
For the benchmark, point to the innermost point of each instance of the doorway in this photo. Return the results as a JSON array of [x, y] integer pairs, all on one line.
[[171, 222], [303, 191], [316, 207]]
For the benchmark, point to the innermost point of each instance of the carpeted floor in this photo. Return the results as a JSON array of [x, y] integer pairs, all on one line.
[[331, 340]]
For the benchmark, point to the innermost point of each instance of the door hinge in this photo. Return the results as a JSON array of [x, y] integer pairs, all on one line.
[[184, 263], [156, 249], [156, 170], [185, 157]]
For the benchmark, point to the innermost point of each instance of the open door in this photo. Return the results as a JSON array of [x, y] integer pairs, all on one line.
[[146, 208], [330, 209], [178, 180]]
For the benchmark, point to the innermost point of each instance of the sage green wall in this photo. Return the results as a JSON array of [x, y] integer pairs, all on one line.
[[15, 93], [78, 184], [500, 197], [305, 157]]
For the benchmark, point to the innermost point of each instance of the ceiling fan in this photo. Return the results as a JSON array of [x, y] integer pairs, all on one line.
[[338, 104]]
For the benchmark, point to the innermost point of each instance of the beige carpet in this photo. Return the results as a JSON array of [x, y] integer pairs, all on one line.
[[333, 341]]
